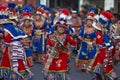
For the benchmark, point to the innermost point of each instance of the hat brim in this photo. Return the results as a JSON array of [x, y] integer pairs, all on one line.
[[13, 17], [60, 25], [96, 27], [4, 21], [90, 19], [27, 19]]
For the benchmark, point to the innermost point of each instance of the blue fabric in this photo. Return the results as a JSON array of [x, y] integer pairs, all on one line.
[[11, 5], [81, 31], [69, 31], [4, 16], [1, 31], [92, 9], [102, 21], [16, 32], [28, 51], [106, 38], [87, 52], [27, 9], [37, 43]]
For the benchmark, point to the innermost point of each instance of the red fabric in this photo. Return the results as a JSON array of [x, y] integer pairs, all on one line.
[[7, 37], [101, 55], [113, 51], [109, 68], [60, 64], [21, 66], [5, 59], [99, 38]]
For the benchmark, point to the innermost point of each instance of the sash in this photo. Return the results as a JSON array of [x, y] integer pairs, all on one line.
[[59, 44], [53, 51]]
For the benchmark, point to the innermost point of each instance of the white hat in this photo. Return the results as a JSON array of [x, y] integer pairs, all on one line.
[[74, 11], [95, 26]]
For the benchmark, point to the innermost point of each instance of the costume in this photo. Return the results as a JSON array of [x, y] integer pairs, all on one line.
[[1, 41], [39, 38], [40, 31], [87, 50], [115, 36], [55, 67], [102, 65], [59, 62], [14, 64], [27, 29]]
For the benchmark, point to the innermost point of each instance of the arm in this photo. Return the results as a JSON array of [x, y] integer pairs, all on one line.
[[79, 22], [71, 41], [80, 36]]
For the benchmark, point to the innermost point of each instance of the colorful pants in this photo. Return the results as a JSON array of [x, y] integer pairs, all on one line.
[[57, 76]]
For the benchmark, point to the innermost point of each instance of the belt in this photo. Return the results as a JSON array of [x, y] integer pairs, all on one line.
[[88, 40]]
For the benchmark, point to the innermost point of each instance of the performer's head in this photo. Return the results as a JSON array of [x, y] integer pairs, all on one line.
[[115, 18], [103, 20], [26, 19], [27, 22], [90, 19], [61, 26], [61, 29], [38, 17], [27, 26], [4, 17], [42, 12], [13, 16], [74, 13]]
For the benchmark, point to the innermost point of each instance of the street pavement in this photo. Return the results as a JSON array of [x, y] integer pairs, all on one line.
[[74, 73]]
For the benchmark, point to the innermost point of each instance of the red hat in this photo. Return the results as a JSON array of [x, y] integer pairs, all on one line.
[[12, 14], [105, 17], [64, 13], [3, 12], [61, 23], [4, 15], [90, 16], [40, 11], [26, 15]]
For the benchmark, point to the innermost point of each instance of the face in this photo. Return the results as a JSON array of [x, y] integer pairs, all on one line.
[[37, 17], [60, 29], [74, 15], [27, 22], [89, 22], [81, 13], [114, 19]]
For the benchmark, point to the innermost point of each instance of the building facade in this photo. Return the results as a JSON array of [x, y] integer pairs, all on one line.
[[105, 4], [5, 2], [20, 2]]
